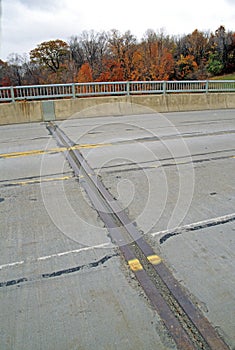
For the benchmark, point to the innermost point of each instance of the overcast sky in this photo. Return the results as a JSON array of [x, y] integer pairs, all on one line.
[[27, 23]]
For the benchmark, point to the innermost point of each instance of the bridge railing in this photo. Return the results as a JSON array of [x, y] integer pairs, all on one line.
[[74, 90]]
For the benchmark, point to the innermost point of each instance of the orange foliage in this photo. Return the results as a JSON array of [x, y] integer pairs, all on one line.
[[152, 64], [166, 66], [186, 65], [85, 74], [112, 71]]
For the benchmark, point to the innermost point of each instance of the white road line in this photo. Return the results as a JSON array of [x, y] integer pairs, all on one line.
[[12, 264], [219, 219], [104, 245], [17, 263]]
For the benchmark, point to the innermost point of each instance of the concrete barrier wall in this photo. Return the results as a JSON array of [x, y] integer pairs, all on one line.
[[20, 112], [23, 112]]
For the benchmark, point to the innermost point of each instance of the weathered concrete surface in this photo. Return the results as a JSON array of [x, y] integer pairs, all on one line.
[[47, 226], [129, 105], [167, 172], [21, 112]]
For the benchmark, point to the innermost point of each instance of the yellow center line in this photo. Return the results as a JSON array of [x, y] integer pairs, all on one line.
[[35, 181], [51, 150]]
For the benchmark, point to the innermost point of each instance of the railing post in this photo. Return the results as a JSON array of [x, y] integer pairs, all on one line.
[[12, 94], [73, 90], [207, 87], [164, 87], [128, 88]]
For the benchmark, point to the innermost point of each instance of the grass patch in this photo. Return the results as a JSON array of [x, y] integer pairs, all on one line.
[[224, 77]]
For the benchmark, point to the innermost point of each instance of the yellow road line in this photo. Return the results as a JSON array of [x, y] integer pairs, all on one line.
[[135, 265], [32, 152], [154, 259], [35, 181], [52, 150]]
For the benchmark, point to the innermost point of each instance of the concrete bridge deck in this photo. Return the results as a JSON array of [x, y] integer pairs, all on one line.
[[63, 283]]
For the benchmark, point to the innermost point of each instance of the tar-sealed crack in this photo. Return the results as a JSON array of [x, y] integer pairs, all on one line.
[[58, 273], [195, 228]]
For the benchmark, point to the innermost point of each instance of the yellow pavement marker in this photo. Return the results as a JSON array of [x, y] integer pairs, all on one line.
[[135, 265], [154, 259]]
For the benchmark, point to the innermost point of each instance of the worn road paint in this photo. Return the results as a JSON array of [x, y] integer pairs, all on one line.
[[17, 263], [52, 150], [36, 181]]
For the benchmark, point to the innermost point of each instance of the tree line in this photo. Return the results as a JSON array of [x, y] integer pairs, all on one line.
[[114, 56]]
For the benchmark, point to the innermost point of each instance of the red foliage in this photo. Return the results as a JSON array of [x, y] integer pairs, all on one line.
[[112, 71], [5, 81], [85, 74]]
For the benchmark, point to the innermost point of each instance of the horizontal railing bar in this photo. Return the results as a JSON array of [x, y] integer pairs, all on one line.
[[73, 90]]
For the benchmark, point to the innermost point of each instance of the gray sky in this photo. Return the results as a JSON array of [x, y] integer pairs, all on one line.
[[27, 23]]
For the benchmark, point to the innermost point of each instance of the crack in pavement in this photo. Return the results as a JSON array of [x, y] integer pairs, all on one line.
[[195, 227], [59, 272]]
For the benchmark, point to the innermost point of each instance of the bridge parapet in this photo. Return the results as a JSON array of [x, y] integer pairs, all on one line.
[[126, 88]]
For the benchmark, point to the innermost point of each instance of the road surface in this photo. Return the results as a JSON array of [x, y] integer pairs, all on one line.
[[64, 284]]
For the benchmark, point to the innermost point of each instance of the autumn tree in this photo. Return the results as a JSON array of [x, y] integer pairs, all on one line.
[[50, 54], [115, 56], [155, 57], [93, 49], [113, 71], [122, 48], [186, 67], [4, 77], [85, 74], [195, 44]]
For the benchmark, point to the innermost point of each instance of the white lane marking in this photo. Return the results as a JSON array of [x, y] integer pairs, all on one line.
[[219, 219], [12, 264], [104, 245]]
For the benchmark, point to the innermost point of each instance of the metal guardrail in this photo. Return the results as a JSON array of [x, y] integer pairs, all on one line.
[[73, 90]]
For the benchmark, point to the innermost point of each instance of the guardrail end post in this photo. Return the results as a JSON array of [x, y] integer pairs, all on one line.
[[12, 94]]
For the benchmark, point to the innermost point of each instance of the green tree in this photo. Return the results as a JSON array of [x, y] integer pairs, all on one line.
[[215, 65]]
